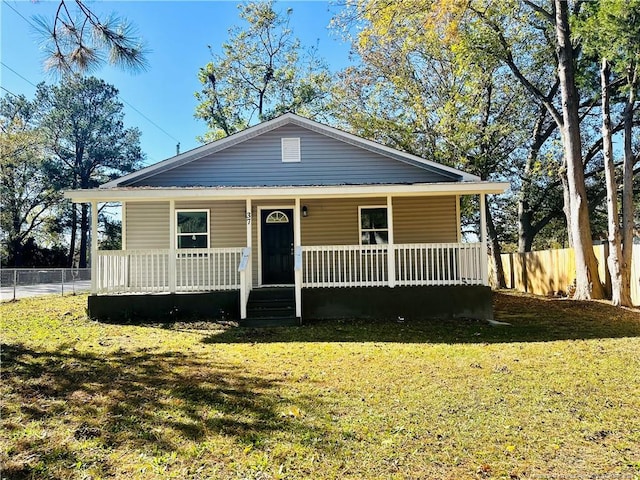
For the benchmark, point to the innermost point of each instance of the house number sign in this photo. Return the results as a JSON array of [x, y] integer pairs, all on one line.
[[248, 215]]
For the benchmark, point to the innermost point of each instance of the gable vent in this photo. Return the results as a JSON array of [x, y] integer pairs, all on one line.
[[290, 149]]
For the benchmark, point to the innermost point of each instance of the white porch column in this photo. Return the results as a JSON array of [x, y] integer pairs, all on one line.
[[123, 231], [458, 221], [484, 265], [94, 247], [391, 255], [172, 246], [249, 215], [297, 235], [297, 242]]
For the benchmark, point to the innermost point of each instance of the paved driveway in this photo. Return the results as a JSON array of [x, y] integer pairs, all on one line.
[[24, 291]]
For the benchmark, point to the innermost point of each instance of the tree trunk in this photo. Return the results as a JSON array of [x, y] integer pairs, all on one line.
[[72, 241], [627, 192], [525, 215], [526, 232], [84, 234], [587, 280], [614, 259], [495, 249]]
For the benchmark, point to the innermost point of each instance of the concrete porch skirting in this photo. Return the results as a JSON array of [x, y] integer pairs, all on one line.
[[165, 307], [412, 303], [317, 303]]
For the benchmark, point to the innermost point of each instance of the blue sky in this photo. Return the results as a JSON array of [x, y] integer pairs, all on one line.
[[177, 33]]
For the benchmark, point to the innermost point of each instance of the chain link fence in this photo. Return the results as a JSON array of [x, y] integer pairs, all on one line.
[[26, 282]]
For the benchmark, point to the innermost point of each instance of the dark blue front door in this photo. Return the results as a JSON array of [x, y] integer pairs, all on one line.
[[277, 247]]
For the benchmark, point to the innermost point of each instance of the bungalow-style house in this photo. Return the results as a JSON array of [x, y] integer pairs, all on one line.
[[289, 220]]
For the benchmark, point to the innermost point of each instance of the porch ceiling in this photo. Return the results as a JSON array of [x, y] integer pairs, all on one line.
[[141, 194]]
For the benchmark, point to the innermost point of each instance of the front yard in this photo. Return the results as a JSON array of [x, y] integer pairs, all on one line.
[[555, 395]]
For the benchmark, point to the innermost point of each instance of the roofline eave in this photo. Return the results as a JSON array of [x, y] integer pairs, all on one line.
[[146, 194]]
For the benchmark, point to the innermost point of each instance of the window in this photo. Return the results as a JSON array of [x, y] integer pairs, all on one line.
[[374, 229], [192, 228], [277, 217], [290, 150]]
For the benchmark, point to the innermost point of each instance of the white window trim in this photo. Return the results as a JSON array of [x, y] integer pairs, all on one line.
[[360, 230], [188, 210], [290, 149]]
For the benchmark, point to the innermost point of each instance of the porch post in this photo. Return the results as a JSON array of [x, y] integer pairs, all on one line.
[[248, 214], [94, 247], [172, 246], [484, 254], [249, 221], [123, 231], [297, 242], [459, 223], [391, 256]]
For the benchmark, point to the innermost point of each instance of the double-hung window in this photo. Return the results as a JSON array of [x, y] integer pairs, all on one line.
[[374, 228], [192, 228]]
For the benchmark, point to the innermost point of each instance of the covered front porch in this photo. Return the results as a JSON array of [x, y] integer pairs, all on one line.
[[297, 239]]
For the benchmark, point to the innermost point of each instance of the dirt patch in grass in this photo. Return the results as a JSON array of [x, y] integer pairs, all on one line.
[[554, 395]]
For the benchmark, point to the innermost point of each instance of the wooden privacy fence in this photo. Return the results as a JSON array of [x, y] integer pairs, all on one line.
[[549, 272]]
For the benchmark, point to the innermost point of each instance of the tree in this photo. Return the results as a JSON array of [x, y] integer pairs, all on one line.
[[587, 280], [83, 122], [26, 194], [261, 73], [423, 90], [504, 26], [610, 31], [77, 40]]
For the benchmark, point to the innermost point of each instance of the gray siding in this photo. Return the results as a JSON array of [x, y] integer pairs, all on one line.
[[324, 161]]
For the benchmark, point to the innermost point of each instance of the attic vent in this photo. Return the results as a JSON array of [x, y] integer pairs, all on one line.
[[290, 149]]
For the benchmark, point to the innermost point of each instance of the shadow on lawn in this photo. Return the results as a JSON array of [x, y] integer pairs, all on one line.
[[532, 319], [142, 401]]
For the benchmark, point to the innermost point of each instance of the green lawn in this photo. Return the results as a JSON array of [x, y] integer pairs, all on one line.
[[555, 395]]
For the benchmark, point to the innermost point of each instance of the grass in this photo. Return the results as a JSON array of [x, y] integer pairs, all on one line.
[[555, 395]]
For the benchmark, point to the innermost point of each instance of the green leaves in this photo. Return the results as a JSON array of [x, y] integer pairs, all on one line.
[[262, 72]]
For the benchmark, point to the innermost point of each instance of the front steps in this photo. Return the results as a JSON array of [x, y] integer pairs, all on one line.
[[271, 307]]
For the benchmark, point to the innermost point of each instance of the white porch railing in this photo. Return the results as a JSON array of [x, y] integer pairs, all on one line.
[[438, 264], [344, 266], [147, 271], [415, 265]]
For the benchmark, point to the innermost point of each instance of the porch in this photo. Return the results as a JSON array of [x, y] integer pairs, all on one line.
[[186, 243], [157, 271]]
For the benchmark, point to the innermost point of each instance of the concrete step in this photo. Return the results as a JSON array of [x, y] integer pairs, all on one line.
[[264, 322], [271, 307]]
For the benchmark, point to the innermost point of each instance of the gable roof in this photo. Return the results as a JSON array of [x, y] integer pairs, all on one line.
[[452, 174]]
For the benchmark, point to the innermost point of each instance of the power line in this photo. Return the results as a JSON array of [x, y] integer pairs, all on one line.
[[19, 14], [121, 98], [150, 121], [24, 78], [8, 91]]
